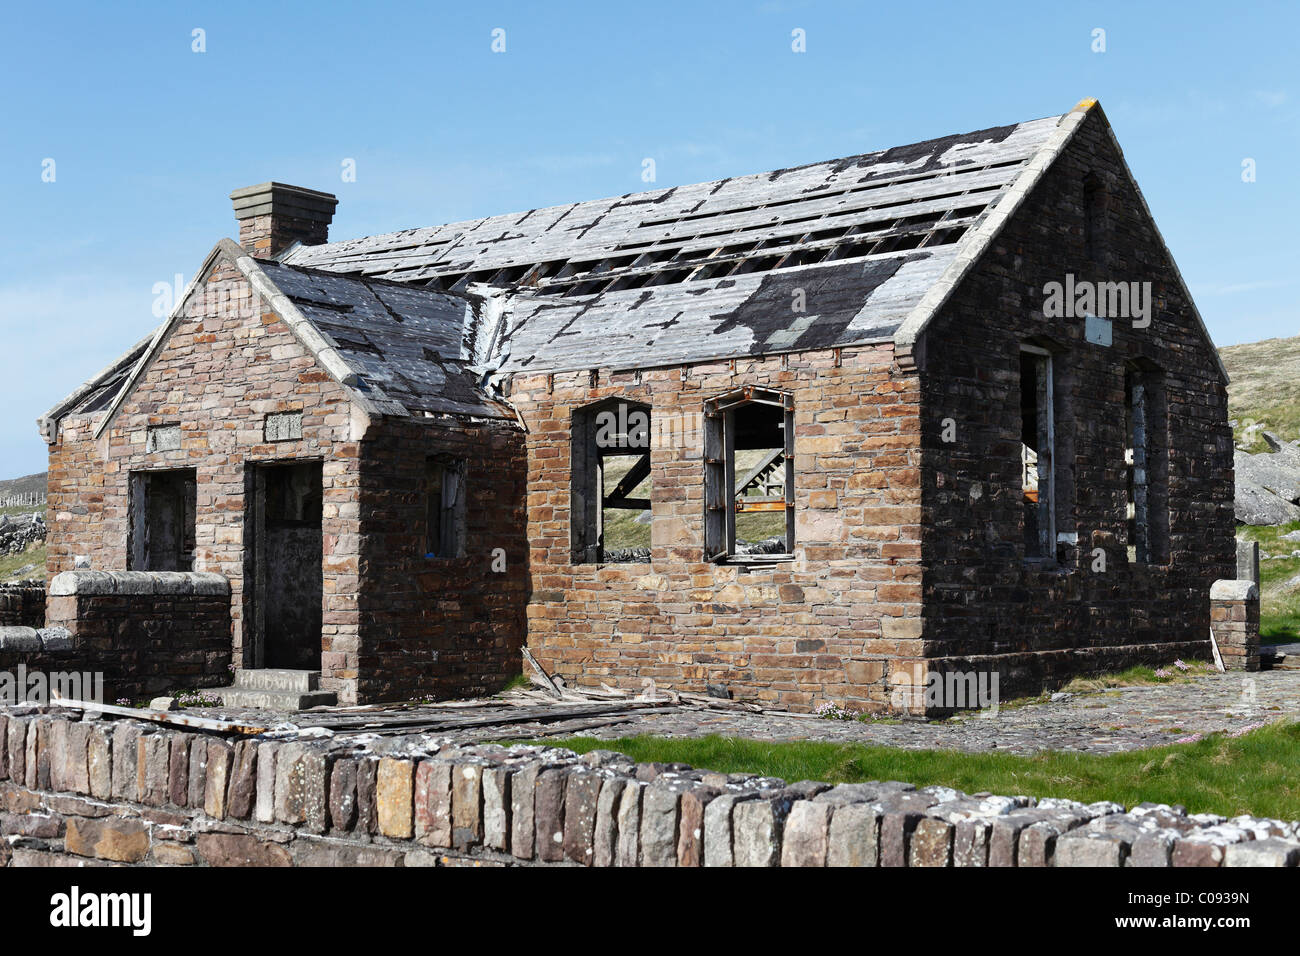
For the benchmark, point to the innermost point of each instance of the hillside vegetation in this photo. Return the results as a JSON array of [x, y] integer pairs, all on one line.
[[1264, 391]]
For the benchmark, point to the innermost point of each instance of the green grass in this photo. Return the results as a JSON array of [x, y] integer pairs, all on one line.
[[622, 530], [24, 510], [1258, 773], [10, 563], [1140, 676], [1279, 606]]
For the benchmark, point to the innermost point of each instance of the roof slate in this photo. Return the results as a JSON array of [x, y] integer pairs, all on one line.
[[870, 193], [828, 254], [824, 255], [406, 345]]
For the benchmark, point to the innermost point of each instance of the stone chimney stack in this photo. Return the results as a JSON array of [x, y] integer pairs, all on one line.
[[272, 216]]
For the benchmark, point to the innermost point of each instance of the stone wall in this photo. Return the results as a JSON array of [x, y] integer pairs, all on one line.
[[147, 632], [22, 605], [123, 792], [833, 624], [228, 363], [19, 533], [441, 626], [1234, 616], [986, 607]]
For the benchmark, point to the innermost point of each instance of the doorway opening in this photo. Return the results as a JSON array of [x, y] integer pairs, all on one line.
[[283, 550]]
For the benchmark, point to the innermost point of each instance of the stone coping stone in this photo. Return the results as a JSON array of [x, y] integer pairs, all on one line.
[[28, 640], [98, 583], [1228, 589]]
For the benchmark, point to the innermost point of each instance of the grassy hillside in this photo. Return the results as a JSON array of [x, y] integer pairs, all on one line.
[[23, 486], [1265, 388], [1265, 392], [30, 565]]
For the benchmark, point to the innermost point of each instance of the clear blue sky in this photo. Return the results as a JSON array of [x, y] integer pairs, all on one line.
[[149, 137]]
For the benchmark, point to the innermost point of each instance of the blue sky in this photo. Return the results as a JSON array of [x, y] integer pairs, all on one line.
[[148, 137]]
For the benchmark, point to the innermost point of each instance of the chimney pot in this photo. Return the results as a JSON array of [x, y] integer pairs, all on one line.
[[272, 216]]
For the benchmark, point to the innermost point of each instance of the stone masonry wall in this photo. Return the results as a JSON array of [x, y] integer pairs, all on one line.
[[830, 625], [985, 607], [76, 792], [147, 632], [22, 605], [227, 364], [445, 627], [1234, 615]]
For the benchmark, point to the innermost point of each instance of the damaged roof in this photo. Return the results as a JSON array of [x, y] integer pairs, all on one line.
[[399, 350], [409, 350], [824, 255], [858, 250], [924, 195]]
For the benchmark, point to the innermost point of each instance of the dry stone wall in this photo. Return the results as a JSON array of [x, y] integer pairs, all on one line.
[[145, 632], [22, 605], [95, 791], [18, 533]]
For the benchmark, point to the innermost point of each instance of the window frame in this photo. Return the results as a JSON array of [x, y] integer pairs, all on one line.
[[720, 490], [587, 499], [1045, 420], [1146, 418], [451, 509]]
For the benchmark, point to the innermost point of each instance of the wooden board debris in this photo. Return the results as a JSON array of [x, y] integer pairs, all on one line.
[[176, 718]]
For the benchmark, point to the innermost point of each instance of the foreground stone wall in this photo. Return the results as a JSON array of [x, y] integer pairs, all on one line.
[[22, 605], [123, 792], [149, 632]]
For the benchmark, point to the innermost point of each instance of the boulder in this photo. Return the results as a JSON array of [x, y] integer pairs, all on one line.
[[1268, 485]]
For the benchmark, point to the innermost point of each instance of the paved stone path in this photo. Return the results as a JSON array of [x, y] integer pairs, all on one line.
[[1107, 721], [1128, 718]]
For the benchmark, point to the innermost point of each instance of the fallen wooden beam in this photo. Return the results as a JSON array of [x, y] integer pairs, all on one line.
[[162, 716], [521, 716], [539, 675], [567, 729]]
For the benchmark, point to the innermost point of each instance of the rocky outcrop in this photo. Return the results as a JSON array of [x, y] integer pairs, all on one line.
[[1268, 485], [19, 532]]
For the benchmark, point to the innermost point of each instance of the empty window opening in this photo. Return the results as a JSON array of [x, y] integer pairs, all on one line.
[[1146, 523], [163, 505], [612, 485], [1037, 453], [444, 508], [749, 476]]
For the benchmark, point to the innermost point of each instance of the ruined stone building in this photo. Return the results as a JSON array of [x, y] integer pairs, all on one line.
[[804, 435]]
